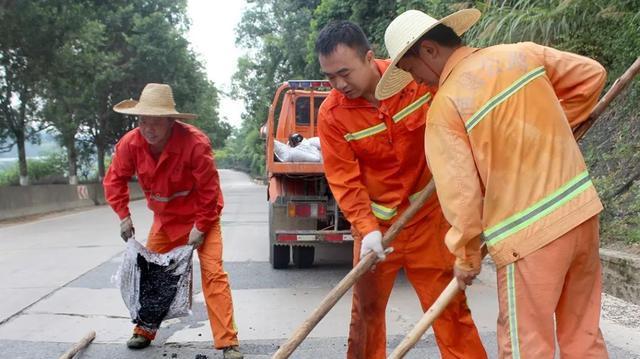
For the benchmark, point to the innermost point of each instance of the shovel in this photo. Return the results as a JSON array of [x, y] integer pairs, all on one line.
[[347, 282]]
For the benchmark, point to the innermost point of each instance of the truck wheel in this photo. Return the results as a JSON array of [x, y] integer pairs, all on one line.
[[281, 257], [303, 256]]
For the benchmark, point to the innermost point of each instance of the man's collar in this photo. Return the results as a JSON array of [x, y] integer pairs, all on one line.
[[173, 145], [458, 55]]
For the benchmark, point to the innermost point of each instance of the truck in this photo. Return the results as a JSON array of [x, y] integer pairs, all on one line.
[[303, 214]]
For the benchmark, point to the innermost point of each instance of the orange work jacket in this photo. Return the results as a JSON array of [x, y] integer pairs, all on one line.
[[373, 157], [181, 188], [507, 168]]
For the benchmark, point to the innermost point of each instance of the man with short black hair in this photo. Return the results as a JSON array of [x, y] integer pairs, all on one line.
[[509, 173], [375, 165]]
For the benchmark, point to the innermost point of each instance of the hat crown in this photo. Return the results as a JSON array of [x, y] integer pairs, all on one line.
[[405, 30], [158, 96]]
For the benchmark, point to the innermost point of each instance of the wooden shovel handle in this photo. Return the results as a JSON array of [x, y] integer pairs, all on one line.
[[347, 282], [83, 343], [615, 89]]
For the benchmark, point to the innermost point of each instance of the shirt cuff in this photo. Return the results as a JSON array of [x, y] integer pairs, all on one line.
[[470, 263], [365, 227], [123, 213]]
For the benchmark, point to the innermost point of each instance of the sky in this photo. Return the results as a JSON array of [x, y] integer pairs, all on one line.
[[212, 36]]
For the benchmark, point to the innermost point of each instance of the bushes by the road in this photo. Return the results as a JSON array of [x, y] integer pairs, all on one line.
[[49, 169]]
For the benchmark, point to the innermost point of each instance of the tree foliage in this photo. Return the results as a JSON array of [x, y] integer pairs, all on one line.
[[279, 37], [64, 64]]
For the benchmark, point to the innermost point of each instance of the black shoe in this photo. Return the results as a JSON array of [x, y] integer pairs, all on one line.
[[138, 342], [232, 352]]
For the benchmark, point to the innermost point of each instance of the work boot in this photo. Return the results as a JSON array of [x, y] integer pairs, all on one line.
[[232, 352], [138, 342]]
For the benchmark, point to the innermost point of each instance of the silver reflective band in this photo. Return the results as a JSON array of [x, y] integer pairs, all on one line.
[[167, 199]]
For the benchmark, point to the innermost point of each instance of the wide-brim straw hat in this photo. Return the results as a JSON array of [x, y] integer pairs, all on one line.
[[156, 100], [404, 31]]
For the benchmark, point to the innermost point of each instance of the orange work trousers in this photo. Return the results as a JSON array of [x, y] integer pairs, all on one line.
[[561, 280], [215, 284], [419, 250]]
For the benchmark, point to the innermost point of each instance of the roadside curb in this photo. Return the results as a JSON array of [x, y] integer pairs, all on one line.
[[621, 275]]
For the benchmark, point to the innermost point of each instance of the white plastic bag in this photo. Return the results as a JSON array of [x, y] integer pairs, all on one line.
[[155, 286], [307, 151]]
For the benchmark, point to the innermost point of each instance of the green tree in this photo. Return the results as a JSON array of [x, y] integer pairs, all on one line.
[[276, 32], [606, 30], [70, 87], [24, 53]]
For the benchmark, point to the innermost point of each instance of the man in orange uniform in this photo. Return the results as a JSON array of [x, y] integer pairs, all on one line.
[[176, 170], [374, 165], [509, 172]]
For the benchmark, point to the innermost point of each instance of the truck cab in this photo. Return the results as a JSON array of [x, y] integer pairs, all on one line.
[[303, 214]]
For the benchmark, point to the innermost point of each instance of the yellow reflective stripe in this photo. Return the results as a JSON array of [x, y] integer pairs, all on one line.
[[412, 107], [502, 96], [366, 132], [386, 213], [383, 212], [512, 310], [538, 210]]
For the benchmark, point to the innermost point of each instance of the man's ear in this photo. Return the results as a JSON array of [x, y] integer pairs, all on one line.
[[429, 49], [369, 56]]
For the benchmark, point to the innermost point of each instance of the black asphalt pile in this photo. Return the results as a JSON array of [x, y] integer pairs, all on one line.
[[158, 288]]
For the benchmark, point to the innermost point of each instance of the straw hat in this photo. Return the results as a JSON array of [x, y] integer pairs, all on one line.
[[404, 31], [156, 100]]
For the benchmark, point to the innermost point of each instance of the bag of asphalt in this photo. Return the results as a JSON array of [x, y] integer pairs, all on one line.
[[155, 286]]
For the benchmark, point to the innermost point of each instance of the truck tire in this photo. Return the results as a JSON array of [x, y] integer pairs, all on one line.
[[280, 257], [303, 256]]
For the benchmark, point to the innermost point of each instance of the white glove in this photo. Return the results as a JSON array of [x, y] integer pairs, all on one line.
[[373, 242], [196, 237], [126, 229]]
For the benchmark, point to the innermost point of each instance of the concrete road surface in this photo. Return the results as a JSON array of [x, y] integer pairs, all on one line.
[[55, 285]]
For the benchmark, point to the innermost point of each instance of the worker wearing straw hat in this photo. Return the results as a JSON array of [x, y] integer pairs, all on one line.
[[509, 172], [375, 166], [175, 167]]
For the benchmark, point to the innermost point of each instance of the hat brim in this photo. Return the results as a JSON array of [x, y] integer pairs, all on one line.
[[395, 79], [133, 107]]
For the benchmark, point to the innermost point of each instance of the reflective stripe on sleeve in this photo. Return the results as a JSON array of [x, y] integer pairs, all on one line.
[[366, 132]]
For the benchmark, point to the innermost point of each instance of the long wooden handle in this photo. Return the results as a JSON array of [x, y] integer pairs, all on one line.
[[429, 317], [615, 89], [83, 343], [452, 290], [347, 282]]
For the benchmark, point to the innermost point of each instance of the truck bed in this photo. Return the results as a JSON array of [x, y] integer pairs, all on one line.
[[295, 167]]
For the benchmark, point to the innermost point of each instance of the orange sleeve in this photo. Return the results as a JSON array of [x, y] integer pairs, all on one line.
[[343, 174], [207, 185], [457, 183], [577, 81], [116, 180]]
